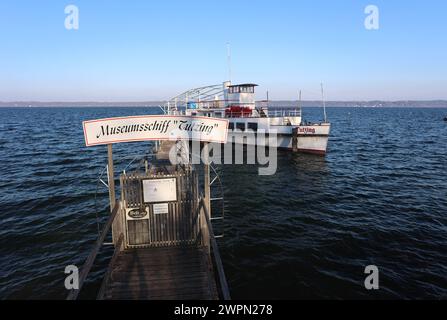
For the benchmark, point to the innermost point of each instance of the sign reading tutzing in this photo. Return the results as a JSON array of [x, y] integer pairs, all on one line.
[[163, 127]]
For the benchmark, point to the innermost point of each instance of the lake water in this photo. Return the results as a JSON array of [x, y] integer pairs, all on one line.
[[378, 198]]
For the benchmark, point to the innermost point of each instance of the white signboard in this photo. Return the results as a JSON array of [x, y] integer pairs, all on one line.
[[159, 190], [163, 127], [161, 208]]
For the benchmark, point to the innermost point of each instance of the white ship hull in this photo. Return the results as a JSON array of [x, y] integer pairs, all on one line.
[[311, 139]]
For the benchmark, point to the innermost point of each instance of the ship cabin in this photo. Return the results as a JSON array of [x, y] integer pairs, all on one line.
[[234, 101], [240, 100], [241, 95]]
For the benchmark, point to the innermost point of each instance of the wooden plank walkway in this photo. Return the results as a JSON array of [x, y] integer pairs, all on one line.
[[165, 273], [164, 149]]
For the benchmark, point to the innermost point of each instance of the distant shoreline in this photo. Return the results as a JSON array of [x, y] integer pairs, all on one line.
[[285, 103]]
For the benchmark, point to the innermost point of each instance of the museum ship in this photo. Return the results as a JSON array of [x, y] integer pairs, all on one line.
[[237, 104]]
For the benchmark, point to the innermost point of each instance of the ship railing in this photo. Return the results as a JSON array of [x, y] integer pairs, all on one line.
[[279, 112], [207, 104], [255, 113], [241, 114], [262, 104], [176, 112], [214, 104]]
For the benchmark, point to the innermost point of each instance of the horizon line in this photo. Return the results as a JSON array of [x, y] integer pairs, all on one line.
[[276, 100]]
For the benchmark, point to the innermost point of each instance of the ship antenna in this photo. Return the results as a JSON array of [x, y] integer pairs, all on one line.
[[229, 61], [324, 103]]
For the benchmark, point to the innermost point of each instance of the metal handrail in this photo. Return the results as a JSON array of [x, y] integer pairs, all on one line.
[[196, 94], [284, 113], [216, 254], [73, 295], [118, 245]]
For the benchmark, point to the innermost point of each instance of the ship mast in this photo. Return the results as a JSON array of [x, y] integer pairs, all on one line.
[[229, 61], [324, 103]]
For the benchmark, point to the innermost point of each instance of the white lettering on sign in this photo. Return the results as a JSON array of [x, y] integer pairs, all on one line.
[[161, 208], [164, 127], [137, 214], [306, 130]]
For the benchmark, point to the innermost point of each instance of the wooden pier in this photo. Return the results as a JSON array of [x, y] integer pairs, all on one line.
[[165, 247], [172, 273]]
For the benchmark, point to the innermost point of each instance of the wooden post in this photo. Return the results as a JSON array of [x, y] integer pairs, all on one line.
[[295, 139], [111, 177]]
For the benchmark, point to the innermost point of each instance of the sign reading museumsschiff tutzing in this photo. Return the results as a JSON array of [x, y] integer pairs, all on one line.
[[163, 127]]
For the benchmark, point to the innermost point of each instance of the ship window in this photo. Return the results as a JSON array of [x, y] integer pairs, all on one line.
[[252, 126], [234, 89], [240, 126], [231, 125], [218, 114]]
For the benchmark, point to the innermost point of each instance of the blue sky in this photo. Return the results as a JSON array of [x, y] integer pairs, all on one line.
[[150, 50]]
